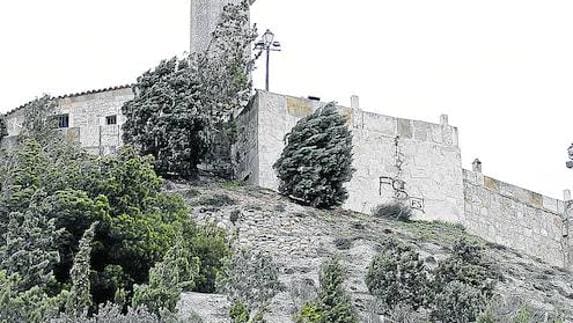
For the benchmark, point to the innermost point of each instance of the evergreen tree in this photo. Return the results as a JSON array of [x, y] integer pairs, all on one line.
[[317, 159], [181, 104], [250, 279], [398, 276], [30, 249], [39, 122], [79, 300], [332, 305], [167, 279], [335, 304]]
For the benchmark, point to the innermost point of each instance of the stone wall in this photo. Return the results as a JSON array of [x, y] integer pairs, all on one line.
[[416, 161], [246, 146], [515, 217], [87, 118]]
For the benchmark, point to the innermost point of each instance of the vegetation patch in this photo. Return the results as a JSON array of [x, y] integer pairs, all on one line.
[[393, 211]]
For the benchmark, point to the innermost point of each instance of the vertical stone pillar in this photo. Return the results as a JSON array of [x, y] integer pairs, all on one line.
[[205, 15], [355, 102], [444, 120]]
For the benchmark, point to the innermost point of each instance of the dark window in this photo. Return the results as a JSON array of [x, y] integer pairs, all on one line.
[[63, 121], [109, 120]]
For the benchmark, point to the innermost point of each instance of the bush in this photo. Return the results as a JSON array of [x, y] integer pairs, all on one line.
[[167, 279], [218, 200], [310, 313], [516, 310], [211, 246], [317, 159], [466, 265], [463, 284], [458, 302], [138, 222], [250, 278], [239, 313], [335, 304], [394, 211], [332, 305], [397, 276]]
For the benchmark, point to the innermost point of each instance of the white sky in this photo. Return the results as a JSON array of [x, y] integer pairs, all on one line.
[[501, 69]]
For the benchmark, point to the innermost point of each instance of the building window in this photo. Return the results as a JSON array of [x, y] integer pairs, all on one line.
[[63, 121], [110, 120]]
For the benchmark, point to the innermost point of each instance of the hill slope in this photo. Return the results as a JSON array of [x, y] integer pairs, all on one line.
[[300, 238]]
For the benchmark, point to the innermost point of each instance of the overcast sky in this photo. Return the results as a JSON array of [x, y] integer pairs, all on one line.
[[501, 69]]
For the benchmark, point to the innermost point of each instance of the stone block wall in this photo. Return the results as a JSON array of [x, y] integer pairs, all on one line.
[[87, 118], [246, 147], [89, 111], [516, 218], [416, 161]]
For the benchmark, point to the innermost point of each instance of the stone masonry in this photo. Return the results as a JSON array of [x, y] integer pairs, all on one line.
[[90, 116], [413, 161]]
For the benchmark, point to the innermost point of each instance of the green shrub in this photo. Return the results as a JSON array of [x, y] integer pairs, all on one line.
[[310, 313], [177, 272], [458, 302], [463, 284], [398, 276], [138, 222], [332, 305], [394, 211], [250, 278], [211, 246], [515, 310], [239, 313], [335, 304], [317, 159], [218, 200], [468, 266]]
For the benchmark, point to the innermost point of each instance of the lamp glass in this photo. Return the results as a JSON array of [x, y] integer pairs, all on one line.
[[268, 37]]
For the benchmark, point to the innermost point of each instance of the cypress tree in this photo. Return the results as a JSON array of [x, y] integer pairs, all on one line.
[[317, 159], [80, 299]]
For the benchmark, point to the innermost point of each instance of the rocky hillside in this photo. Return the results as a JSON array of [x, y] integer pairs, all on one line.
[[300, 238]]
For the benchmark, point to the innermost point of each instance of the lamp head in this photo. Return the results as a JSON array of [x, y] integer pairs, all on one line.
[[268, 38]]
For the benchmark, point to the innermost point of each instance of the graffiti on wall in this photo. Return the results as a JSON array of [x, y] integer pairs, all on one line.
[[398, 185]]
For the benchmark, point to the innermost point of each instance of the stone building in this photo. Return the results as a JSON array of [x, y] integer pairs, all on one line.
[[414, 161]]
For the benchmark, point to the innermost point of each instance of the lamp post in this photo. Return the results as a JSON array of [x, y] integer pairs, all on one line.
[[267, 43]]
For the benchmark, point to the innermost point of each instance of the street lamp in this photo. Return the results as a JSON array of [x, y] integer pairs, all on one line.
[[267, 43]]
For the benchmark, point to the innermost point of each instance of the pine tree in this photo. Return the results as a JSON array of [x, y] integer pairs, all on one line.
[[80, 299], [317, 159]]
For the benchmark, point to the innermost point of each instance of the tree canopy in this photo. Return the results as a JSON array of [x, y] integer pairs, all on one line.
[[182, 104], [317, 159]]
